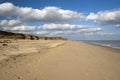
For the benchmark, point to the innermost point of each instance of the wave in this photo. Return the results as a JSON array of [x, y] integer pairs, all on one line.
[[109, 43]]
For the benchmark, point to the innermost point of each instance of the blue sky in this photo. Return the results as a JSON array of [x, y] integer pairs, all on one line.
[[77, 20]]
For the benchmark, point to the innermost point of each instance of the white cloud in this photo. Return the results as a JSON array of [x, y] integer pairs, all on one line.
[[47, 29], [47, 14], [56, 19], [91, 29], [106, 17], [118, 25], [61, 29], [10, 23], [98, 33], [7, 9], [20, 28], [69, 27], [104, 33], [53, 26], [88, 31], [15, 25], [41, 33]]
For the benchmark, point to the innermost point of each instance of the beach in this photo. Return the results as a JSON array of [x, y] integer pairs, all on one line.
[[58, 60]]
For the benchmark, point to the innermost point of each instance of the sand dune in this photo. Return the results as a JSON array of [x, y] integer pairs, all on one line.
[[68, 61], [11, 35], [22, 47]]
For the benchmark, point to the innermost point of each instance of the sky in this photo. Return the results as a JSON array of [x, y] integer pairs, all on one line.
[[76, 20]]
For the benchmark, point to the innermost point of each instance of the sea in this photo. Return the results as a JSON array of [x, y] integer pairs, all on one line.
[[108, 43]]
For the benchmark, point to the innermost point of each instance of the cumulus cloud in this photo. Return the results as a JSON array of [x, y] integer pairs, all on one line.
[[7, 9], [10, 23], [60, 33], [68, 29], [15, 25], [99, 33], [20, 28], [78, 32], [47, 29], [56, 19], [104, 33], [53, 26], [118, 25], [62, 27], [47, 14], [106, 17], [89, 30], [41, 33]]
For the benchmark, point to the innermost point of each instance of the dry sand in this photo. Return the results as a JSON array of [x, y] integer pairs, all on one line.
[[45, 60]]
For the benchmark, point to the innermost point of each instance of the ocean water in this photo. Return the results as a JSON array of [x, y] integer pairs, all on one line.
[[109, 43]]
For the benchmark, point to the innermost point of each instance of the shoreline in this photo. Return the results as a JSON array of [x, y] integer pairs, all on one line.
[[99, 44], [104, 47]]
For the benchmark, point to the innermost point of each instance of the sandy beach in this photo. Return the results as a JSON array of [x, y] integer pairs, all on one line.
[[58, 60]]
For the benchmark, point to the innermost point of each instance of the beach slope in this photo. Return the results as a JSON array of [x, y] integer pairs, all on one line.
[[69, 61]]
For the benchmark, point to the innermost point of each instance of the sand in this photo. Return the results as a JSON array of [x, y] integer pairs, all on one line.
[[59, 60]]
